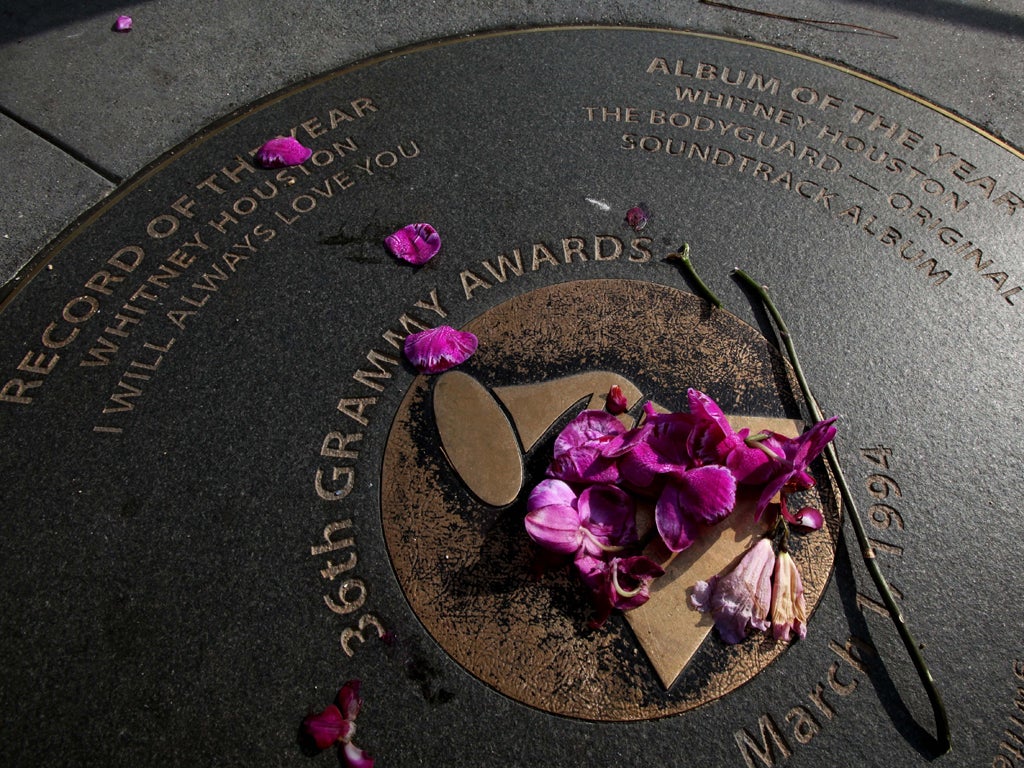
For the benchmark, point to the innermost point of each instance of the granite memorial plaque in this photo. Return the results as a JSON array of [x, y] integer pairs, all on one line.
[[227, 491]]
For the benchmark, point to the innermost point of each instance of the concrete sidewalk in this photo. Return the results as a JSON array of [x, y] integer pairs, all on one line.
[[84, 108]]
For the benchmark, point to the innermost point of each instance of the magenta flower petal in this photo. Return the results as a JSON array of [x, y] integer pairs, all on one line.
[[807, 519], [631, 581], [812, 442], [741, 600], [356, 757], [608, 515], [677, 529], [438, 349], [641, 465], [671, 437], [619, 583], [325, 728], [415, 243], [281, 152], [715, 442], [637, 218], [706, 409], [590, 428], [702, 495], [769, 492], [749, 464], [713, 437], [581, 449], [616, 402], [707, 494], [552, 519], [349, 700], [797, 454], [123, 24], [789, 610]]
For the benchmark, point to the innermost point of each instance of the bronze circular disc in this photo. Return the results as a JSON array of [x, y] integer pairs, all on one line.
[[468, 569]]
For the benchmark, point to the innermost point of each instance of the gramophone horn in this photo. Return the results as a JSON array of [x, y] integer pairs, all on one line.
[[483, 445], [535, 407]]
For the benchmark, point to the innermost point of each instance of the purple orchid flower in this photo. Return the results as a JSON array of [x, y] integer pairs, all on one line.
[[601, 520], [621, 583], [795, 457], [415, 243], [326, 727], [694, 497], [581, 449], [437, 349], [656, 448], [336, 725], [716, 442], [741, 600], [789, 610]]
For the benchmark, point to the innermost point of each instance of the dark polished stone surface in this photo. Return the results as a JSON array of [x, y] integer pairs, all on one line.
[[114, 102], [172, 379]]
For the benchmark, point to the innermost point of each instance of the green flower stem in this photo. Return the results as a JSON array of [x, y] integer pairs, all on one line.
[[683, 257], [867, 552]]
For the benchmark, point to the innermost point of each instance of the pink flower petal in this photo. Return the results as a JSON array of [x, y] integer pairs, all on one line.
[[609, 516], [123, 24], [637, 218], [807, 519], [438, 349], [553, 520], [741, 600], [789, 609], [356, 757], [677, 530], [349, 700], [281, 152], [580, 449], [551, 493], [415, 243], [616, 402], [707, 494], [326, 727]]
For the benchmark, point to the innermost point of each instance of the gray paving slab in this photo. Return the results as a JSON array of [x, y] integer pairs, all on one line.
[[123, 98], [120, 100], [42, 193]]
